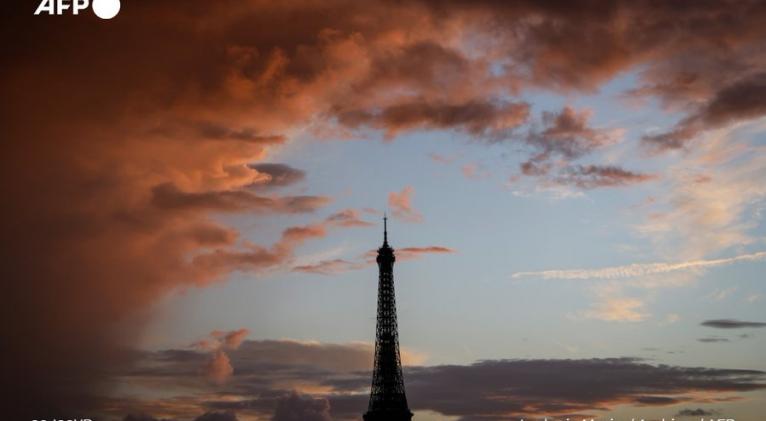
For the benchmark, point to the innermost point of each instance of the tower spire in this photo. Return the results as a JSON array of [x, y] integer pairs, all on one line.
[[385, 229]]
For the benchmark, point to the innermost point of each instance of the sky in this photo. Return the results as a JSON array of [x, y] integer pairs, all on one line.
[[575, 193]]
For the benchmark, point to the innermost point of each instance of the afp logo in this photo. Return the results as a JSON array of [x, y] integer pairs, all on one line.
[[105, 9]]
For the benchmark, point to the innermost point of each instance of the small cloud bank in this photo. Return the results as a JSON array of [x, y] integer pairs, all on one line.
[[292, 380], [732, 324]]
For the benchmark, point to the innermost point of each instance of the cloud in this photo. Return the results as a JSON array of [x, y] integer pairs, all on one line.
[[217, 416], [640, 269], [732, 324], [219, 339], [671, 318], [625, 380], [722, 294], [699, 412], [594, 176], [219, 369], [479, 118], [742, 100], [712, 340], [713, 198], [254, 257], [348, 218], [401, 205], [333, 380], [474, 171], [410, 253], [330, 267], [232, 339], [336, 266], [567, 134], [277, 360], [497, 389], [296, 407], [280, 175], [618, 309], [441, 159], [168, 196]]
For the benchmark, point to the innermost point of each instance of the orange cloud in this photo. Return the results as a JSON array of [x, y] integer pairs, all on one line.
[[479, 118], [219, 369], [401, 205], [348, 218], [232, 339], [411, 253], [330, 267]]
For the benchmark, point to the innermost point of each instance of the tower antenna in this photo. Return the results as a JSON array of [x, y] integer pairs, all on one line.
[[385, 228]]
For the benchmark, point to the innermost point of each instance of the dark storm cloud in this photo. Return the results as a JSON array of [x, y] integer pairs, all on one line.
[[96, 116], [732, 324]]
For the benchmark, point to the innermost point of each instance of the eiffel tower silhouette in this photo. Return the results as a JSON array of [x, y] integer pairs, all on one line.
[[387, 398]]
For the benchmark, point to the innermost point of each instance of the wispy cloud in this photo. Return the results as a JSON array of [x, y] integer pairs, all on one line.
[[722, 294], [337, 265], [330, 267], [714, 193], [712, 340], [639, 269], [401, 205], [618, 310]]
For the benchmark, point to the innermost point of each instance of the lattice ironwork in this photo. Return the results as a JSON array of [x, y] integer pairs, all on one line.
[[387, 398]]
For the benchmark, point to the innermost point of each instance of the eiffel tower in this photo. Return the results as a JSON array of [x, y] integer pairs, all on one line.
[[387, 399]]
